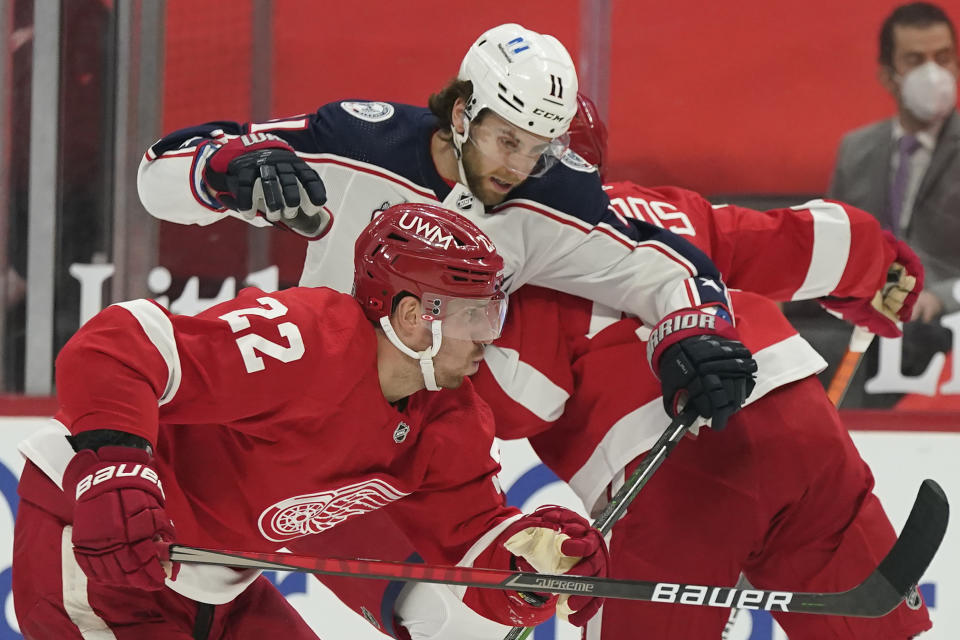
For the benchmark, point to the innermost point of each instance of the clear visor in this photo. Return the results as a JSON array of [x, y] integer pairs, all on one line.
[[523, 153], [475, 319]]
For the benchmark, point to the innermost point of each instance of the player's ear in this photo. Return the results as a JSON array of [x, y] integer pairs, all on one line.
[[457, 116], [406, 319]]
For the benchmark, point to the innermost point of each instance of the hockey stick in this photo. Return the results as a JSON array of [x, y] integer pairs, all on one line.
[[651, 462], [879, 594], [631, 487], [859, 342]]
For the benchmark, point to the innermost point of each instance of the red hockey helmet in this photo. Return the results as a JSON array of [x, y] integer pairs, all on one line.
[[438, 256], [588, 134]]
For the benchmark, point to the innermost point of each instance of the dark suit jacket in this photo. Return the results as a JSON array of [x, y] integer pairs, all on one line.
[[862, 178]]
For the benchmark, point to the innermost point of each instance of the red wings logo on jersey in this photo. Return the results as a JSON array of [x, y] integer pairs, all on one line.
[[315, 512]]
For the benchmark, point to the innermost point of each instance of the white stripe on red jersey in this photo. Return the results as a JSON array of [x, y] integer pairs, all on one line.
[[610, 401]]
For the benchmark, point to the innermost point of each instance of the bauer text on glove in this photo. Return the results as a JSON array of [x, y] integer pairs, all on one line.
[[118, 517]]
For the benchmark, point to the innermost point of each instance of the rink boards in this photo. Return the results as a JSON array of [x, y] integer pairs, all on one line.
[[899, 459]]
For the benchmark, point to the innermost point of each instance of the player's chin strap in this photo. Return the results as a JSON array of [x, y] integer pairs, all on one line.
[[459, 139], [425, 357]]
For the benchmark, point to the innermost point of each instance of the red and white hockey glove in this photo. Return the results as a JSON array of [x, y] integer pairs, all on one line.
[[893, 302], [260, 174], [701, 364], [118, 517], [550, 540]]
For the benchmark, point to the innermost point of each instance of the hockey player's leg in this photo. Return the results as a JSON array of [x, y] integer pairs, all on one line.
[[52, 597], [37, 585], [861, 547], [55, 601], [685, 526], [414, 611], [261, 611], [373, 536], [835, 533]]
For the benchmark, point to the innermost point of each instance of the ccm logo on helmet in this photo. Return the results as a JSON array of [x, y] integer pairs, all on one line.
[[426, 230], [124, 470], [725, 597], [548, 115]]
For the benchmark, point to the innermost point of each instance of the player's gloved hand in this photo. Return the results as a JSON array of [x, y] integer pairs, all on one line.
[[258, 173], [702, 365], [556, 540], [893, 302], [118, 517], [550, 540]]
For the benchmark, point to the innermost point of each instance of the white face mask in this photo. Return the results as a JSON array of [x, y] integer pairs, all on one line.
[[929, 92]]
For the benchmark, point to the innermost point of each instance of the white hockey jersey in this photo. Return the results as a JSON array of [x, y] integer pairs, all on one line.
[[556, 231]]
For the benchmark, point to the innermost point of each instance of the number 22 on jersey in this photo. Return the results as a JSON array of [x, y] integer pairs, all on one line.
[[251, 343]]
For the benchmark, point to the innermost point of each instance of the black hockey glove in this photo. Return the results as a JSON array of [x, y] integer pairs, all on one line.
[[260, 174], [701, 364]]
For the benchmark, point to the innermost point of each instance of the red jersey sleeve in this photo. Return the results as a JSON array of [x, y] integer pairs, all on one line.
[[110, 375], [808, 251]]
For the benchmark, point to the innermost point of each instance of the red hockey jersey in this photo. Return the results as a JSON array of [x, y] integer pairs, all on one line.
[[576, 368], [270, 425]]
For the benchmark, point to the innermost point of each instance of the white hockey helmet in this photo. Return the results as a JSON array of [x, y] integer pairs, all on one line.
[[523, 76]]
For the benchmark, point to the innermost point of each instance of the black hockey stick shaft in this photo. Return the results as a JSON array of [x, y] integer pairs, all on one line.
[[860, 340], [879, 594], [618, 504], [654, 457]]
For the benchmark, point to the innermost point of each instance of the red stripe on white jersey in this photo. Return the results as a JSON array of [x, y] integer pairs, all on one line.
[[370, 169], [529, 205], [691, 293], [580, 225]]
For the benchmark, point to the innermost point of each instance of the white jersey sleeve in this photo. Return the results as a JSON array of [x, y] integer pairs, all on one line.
[[556, 231]]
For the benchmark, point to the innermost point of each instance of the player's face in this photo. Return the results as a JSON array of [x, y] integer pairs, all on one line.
[[456, 360], [499, 156], [467, 326]]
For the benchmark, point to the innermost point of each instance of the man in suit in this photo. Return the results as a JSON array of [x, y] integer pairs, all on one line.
[[906, 169]]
